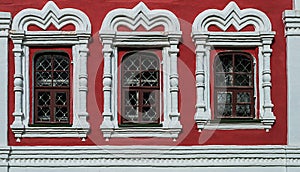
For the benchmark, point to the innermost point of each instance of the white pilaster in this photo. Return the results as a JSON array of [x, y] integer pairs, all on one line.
[[5, 20], [292, 24]]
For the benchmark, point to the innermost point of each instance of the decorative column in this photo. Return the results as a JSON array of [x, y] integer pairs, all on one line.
[[5, 21], [173, 51], [202, 115], [107, 125], [83, 84], [268, 117], [18, 126]]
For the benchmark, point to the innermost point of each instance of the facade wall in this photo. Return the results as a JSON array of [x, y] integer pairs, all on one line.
[[194, 143]]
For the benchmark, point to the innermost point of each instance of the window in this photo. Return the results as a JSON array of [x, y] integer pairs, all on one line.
[[233, 86], [141, 85], [50, 85], [236, 81], [140, 89], [52, 88]]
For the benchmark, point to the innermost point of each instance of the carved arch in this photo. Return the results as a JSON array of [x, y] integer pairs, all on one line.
[[232, 15], [140, 15], [51, 14]]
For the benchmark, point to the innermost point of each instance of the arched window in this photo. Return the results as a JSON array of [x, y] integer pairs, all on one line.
[[51, 88], [140, 88], [233, 86]]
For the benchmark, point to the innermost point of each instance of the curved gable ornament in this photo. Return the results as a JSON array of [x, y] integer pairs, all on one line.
[[51, 14], [140, 15], [232, 15]]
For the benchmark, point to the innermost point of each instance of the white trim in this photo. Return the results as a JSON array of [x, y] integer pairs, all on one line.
[[168, 40], [5, 20], [153, 156], [23, 39], [205, 40], [291, 20]]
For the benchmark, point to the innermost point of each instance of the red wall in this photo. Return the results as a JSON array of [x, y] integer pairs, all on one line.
[[186, 11]]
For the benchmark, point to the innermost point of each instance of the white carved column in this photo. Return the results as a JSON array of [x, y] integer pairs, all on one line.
[[83, 87], [18, 114], [107, 124], [5, 21], [174, 114], [202, 115], [268, 117]]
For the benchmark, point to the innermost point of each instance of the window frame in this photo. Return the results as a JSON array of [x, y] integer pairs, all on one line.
[[235, 89], [141, 89], [113, 40], [24, 40], [206, 41], [52, 89]]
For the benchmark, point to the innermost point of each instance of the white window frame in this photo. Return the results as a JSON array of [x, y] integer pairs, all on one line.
[[206, 40], [112, 39], [23, 39]]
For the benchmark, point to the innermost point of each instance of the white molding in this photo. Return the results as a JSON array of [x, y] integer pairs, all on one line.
[[23, 39], [153, 156], [168, 40], [291, 19], [206, 40], [5, 20]]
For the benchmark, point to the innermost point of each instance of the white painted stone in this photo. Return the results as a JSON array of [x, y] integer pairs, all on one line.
[[292, 24], [22, 39], [168, 40], [206, 40], [5, 20]]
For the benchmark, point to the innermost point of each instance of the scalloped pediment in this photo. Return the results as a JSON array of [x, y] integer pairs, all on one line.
[[140, 15], [51, 14], [232, 15]]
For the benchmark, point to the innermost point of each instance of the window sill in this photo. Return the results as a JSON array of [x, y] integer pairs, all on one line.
[[47, 132], [156, 132], [235, 125]]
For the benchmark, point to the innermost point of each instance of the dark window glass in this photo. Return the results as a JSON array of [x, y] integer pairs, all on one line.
[[233, 94], [51, 87], [140, 88]]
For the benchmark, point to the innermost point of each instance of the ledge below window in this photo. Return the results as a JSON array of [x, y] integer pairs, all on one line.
[[47, 132], [234, 125], [126, 132]]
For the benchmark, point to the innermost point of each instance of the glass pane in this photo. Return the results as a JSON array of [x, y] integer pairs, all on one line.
[[242, 80], [131, 114], [224, 63], [43, 63], [44, 98], [224, 110], [224, 97], [43, 79], [61, 78], [131, 98], [131, 78], [149, 98], [43, 113], [149, 63], [242, 64], [149, 114], [243, 97], [243, 111], [131, 63], [61, 114], [149, 78], [61, 63], [224, 80], [61, 98]]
